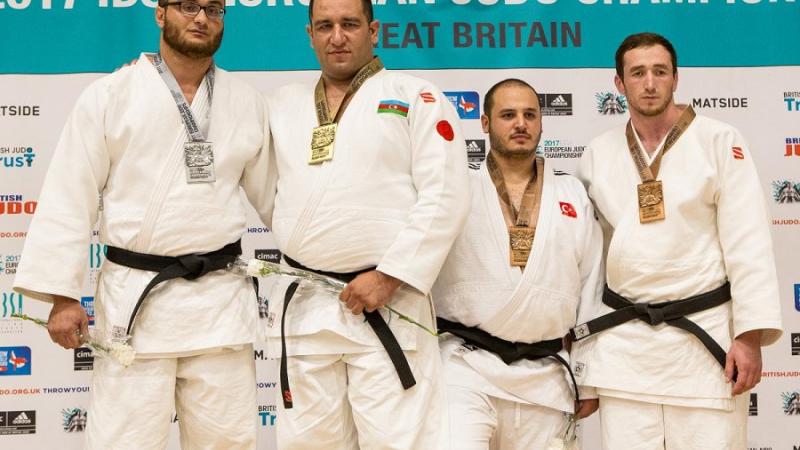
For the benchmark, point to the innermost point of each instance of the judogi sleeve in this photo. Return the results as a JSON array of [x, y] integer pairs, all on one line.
[[592, 279], [260, 176], [54, 256], [439, 172], [743, 225]]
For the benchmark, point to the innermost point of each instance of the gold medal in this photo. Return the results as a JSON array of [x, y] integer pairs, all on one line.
[[322, 140], [521, 239], [651, 201]]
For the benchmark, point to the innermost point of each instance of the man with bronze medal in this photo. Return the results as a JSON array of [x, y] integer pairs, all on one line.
[[165, 144], [691, 293], [513, 285], [372, 190]]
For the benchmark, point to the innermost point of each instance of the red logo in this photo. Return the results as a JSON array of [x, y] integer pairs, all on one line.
[[287, 396], [738, 153], [465, 105], [567, 209], [427, 97], [445, 130]]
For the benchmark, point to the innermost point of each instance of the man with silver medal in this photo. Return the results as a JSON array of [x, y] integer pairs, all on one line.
[[166, 144], [674, 342]]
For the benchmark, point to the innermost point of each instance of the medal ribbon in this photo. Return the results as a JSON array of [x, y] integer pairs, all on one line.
[[531, 198], [650, 173], [183, 106], [321, 101]]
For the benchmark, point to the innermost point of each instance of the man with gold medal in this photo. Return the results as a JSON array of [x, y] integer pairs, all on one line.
[[691, 292], [372, 190], [513, 285]]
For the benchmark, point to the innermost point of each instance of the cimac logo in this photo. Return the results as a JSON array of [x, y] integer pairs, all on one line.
[[467, 103], [15, 361]]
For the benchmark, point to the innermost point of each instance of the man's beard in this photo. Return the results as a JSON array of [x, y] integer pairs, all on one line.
[[501, 150], [172, 37], [655, 111]]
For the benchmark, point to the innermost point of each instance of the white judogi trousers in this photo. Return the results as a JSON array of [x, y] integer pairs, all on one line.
[[634, 425], [214, 395], [355, 401]]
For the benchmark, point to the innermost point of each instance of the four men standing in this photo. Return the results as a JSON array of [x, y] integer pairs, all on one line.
[[369, 182]]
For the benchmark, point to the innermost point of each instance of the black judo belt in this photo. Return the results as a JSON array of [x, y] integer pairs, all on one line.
[[188, 267], [374, 319], [672, 313], [508, 351]]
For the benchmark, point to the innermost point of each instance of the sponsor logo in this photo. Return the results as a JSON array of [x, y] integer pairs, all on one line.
[[609, 103], [738, 153], [567, 209], [267, 415], [792, 146], [427, 97], [12, 234], [797, 297], [19, 110], [272, 255], [73, 420], [753, 409], [257, 230], [15, 361], [466, 103], [11, 304], [445, 130], [792, 101], [83, 359], [557, 148], [393, 107], [785, 191], [88, 306], [15, 204], [780, 374], [16, 157], [720, 102], [17, 422], [791, 403], [8, 264], [795, 344], [476, 152], [555, 104]]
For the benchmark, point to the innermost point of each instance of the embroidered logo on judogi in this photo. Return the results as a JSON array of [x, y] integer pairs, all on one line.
[[427, 97], [393, 107], [445, 130], [568, 210], [738, 153]]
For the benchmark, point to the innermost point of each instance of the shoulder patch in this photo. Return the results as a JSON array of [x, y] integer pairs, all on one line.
[[568, 210], [393, 106], [427, 97], [738, 153]]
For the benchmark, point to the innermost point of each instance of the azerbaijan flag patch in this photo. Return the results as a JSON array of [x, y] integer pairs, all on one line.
[[393, 107]]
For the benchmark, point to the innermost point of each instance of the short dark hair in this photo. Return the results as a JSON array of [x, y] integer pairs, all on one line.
[[643, 40], [366, 5], [488, 100]]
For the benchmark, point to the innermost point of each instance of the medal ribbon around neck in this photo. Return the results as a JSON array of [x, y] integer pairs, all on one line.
[[323, 136], [531, 198], [650, 173]]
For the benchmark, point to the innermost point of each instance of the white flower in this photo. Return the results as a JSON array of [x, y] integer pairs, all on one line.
[[256, 268], [122, 352]]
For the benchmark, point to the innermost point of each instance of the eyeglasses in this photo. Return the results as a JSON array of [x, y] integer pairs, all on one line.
[[192, 9]]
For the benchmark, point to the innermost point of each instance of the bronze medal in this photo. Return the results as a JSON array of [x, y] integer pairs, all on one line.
[[651, 201], [322, 140], [521, 240]]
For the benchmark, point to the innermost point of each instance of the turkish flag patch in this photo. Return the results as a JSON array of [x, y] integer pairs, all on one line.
[[567, 209], [445, 130], [738, 153], [427, 97]]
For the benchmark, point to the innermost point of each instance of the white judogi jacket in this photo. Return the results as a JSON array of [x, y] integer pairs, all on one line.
[[715, 229], [394, 196], [124, 141], [478, 287]]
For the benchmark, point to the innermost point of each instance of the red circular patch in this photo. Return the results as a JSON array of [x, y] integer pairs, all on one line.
[[445, 130]]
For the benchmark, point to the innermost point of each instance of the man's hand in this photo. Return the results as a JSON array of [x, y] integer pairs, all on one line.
[[369, 291], [586, 408], [744, 357], [67, 318]]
